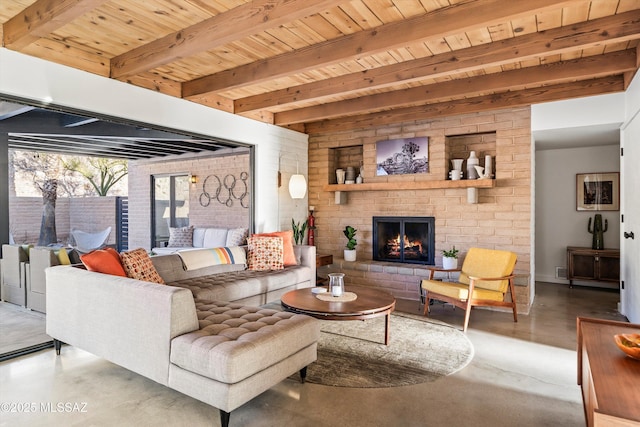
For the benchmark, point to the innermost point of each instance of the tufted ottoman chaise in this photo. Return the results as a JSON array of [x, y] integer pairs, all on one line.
[[221, 353], [244, 349]]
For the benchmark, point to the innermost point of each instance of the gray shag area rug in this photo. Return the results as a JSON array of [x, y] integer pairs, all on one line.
[[353, 354]]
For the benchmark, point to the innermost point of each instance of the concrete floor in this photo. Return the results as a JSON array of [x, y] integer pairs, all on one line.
[[522, 374]]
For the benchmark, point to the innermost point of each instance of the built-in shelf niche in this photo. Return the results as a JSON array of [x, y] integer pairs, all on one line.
[[342, 158], [460, 147]]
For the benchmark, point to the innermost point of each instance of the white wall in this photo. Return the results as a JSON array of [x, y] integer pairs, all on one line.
[[558, 224], [34, 80], [570, 113]]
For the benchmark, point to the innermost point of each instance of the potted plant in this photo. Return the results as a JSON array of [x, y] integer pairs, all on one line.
[[450, 258], [350, 251], [298, 231]]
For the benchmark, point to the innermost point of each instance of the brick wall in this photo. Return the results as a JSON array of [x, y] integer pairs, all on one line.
[[502, 219], [88, 214], [230, 213], [93, 214]]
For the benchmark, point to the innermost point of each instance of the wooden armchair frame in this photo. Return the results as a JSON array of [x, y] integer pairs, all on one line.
[[470, 302]]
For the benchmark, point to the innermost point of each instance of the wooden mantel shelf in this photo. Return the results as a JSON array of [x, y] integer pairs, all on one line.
[[412, 185]]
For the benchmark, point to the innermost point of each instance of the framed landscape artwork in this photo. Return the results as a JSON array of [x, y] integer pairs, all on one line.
[[598, 191], [402, 156]]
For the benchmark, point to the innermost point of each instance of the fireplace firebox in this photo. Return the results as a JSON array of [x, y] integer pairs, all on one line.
[[404, 239]]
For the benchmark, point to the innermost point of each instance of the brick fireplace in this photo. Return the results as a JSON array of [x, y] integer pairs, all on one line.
[[502, 218]]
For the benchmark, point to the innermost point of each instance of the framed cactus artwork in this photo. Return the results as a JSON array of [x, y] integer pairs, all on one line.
[[598, 191]]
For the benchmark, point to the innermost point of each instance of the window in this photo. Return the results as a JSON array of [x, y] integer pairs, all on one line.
[[169, 206]]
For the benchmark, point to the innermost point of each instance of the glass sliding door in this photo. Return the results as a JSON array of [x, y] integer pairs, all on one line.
[[169, 206]]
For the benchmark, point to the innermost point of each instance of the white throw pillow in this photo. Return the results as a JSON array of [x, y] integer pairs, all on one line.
[[198, 237], [215, 238]]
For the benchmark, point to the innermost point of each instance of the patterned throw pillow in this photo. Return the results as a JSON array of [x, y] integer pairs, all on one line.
[[180, 237], [138, 265], [287, 244], [265, 253], [236, 237]]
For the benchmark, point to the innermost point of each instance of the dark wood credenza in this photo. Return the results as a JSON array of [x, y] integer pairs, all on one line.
[[595, 265], [609, 379]]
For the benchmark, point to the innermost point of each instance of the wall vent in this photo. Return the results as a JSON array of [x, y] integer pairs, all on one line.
[[561, 272]]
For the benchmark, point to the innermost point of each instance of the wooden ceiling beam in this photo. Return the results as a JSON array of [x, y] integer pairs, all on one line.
[[42, 18], [156, 83], [611, 29], [577, 69], [240, 22], [454, 19], [506, 100]]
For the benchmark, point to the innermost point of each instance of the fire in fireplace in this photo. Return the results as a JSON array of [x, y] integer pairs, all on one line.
[[404, 239]]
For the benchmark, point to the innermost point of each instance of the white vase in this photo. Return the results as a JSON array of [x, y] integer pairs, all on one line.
[[456, 173], [488, 166], [340, 176], [349, 254], [472, 161], [449, 263]]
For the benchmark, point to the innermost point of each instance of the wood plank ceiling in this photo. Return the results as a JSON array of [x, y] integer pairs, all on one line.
[[331, 64]]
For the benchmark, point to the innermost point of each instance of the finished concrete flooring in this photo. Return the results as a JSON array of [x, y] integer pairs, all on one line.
[[522, 374]]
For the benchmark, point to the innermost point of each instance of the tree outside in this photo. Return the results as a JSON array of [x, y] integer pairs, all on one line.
[[77, 176], [51, 175]]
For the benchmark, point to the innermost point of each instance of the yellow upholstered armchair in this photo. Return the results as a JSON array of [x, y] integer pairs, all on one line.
[[485, 278]]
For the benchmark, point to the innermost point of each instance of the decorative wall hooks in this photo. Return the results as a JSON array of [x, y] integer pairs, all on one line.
[[225, 190]]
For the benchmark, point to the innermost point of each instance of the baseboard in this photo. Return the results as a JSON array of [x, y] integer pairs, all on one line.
[[550, 279]]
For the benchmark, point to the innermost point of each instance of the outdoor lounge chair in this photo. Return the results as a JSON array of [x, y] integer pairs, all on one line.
[[86, 242]]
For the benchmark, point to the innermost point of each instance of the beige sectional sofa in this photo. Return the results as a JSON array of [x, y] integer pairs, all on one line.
[[197, 334]]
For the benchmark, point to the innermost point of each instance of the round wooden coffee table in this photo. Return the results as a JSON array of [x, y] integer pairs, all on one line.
[[370, 303]]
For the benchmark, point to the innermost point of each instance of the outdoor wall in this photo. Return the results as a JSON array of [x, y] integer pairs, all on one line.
[[215, 214], [558, 223], [502, 219], [88, 214]]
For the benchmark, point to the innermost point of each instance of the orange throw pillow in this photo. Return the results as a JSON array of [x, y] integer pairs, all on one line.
[[105, 261], [287, 245]]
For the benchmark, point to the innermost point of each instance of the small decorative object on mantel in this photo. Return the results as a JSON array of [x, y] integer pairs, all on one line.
[[298, 231], [472, 162], [350, 177], [486, 171], [340, 176], [456, 173], [488, 166], [350, 251], [597, 242], [360, 177], [450, 258]]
